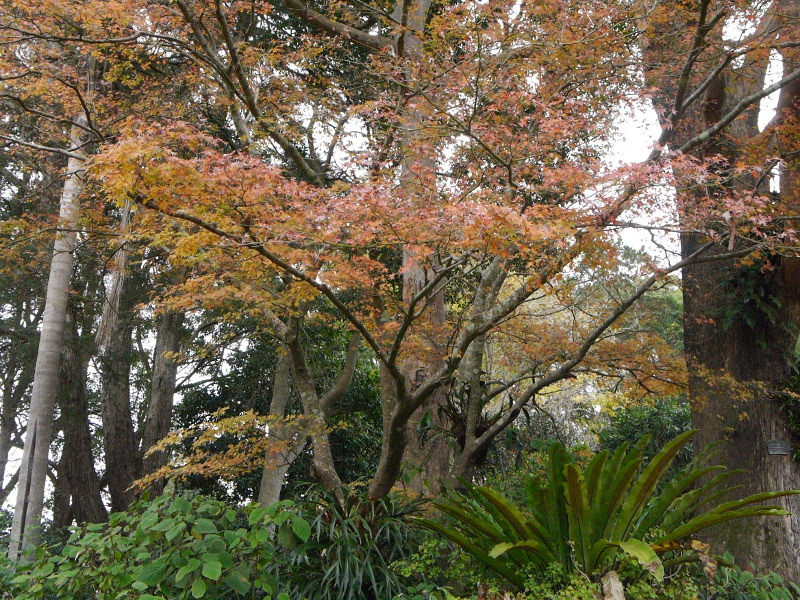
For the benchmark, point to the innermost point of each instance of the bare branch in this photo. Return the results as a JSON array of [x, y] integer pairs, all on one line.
[[345, 377], [740, 107], [323, 23], [53, 149]]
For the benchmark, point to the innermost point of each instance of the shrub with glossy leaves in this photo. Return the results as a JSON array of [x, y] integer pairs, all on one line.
[[172, 548], [587, 518]]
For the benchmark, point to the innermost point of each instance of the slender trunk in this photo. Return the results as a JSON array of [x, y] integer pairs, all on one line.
[[322, 467], [273, 475], [33, 470], [162, 388], [316, 407], [472, 400], [393, 440], [113, 296], [471, 429]]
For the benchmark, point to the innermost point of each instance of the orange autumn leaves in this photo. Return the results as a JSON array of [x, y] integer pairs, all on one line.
[[227, 447]]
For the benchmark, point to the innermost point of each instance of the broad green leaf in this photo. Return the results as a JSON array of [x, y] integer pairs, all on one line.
[[204, 526], [198, 588], [541, 554], [175, 531], [152, 573], [500, 549], [164, 525], [180, 505], [643, 553], [257, 514], [301, 528], [189, 567], [287, 538], [149, 519], [212, 568], [237, 583], [578, 517]]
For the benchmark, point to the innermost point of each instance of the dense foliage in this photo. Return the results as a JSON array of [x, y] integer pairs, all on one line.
[[172, 547], [584, 518], [357, 253], [663, 419], [353, 543]]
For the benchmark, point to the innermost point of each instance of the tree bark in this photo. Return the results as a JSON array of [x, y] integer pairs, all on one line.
[[733, 374], [322, 467], [316, 407], [162, 388], [33, 470], [77, 461], [740, 330], [736, 353], [121, 451], [427, 452], [273, 476], [62, 513]]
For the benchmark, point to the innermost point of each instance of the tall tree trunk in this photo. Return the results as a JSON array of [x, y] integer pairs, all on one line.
[[121, 451], [427, 453], [734, 371], [736, 354], [62, 507], [82, 483], [33, 470], [162, 388], [740, 330]]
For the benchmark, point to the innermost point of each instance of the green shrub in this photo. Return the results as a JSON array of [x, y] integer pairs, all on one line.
[[734, 583], [171, 548], [436, 561], [352, 545], [587, 519], [663, 420]]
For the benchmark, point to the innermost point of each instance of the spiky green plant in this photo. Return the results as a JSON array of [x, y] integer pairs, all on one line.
[[585, 518], [353, 542]]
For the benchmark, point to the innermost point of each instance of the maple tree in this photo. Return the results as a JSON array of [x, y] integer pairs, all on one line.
[[430, 176]]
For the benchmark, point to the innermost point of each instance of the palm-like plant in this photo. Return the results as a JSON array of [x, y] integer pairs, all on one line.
[[584, 518]]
